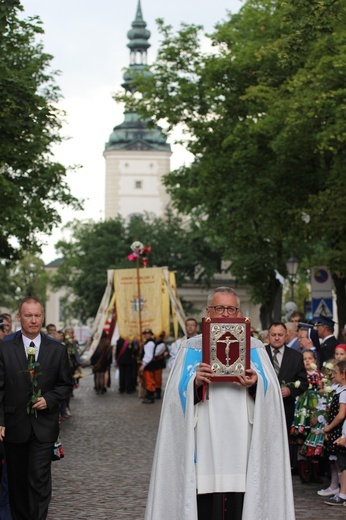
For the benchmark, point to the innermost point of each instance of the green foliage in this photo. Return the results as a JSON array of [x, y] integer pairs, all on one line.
[[264, 116], [21, 278], [31, 183], [301, 291], [325, 224], [96, 247]]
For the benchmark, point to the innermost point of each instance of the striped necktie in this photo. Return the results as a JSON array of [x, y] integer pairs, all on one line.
[[276, 361]]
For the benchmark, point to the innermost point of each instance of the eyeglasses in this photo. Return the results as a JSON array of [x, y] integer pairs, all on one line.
[[220, 309]]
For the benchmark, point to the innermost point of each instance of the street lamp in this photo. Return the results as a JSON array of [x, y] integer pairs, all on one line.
[[292, 268]]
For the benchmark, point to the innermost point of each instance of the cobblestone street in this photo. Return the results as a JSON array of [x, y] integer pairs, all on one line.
[[109, 444]]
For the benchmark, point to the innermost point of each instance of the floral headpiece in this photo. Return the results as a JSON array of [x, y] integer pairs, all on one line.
[[140, 251]]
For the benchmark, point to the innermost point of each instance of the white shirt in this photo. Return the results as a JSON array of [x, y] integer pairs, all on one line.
[[37, 342], [149, 348]]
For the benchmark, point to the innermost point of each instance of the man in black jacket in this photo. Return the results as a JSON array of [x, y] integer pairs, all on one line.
[[325, 331], [30, 429], [289, 367]]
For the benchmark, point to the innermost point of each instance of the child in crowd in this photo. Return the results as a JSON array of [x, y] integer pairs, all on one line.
[[305, 408], [333, 431], [341, 443], [313, 448], [340, 352]]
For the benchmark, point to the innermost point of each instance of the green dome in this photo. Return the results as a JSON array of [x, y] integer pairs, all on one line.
[[133, 133]]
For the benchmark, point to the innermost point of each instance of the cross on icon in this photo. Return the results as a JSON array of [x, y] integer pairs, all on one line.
[[228, 341]]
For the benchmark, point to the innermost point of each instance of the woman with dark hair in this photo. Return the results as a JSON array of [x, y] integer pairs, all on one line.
[[101, 360]]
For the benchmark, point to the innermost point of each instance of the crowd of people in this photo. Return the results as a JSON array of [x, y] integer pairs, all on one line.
[[140, 364], [316, 413], [318, 430], [297, 381], [309, 365]]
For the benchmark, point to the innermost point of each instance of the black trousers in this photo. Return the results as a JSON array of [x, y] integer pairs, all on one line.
[[220, 506], [126, 378], [29, 478]]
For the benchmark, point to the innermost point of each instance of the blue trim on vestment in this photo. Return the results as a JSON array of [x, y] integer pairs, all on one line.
[[192, 359], [256, 360]]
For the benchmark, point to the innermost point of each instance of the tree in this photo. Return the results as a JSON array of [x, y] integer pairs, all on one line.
[[325, 224], [263, 119], [22, 278], [31, 183], [96, 247]]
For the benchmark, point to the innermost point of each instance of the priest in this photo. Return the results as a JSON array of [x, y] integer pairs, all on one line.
[[224, 456]]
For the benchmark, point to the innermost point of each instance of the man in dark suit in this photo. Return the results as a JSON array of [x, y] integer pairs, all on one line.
[[289, 367], [325, 331], [29, 431]]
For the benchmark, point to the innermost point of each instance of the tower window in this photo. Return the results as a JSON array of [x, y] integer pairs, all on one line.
[[138, 185]]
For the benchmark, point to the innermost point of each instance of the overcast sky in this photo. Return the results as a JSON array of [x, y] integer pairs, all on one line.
[[88, 42]]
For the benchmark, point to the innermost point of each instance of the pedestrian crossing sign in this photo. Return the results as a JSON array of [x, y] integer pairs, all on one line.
[[322, 307]]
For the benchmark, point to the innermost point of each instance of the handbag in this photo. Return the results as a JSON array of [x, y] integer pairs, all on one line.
[[58, 452]]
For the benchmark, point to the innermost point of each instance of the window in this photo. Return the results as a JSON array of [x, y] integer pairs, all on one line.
[[138, 185]]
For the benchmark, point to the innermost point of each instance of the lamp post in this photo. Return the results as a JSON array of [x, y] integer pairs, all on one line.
[[292, 268]]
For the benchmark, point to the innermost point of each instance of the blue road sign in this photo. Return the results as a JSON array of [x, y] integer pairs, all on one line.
[[322, 307]]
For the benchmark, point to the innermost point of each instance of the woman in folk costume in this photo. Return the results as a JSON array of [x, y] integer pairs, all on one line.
[[304, 419], [224, 457]]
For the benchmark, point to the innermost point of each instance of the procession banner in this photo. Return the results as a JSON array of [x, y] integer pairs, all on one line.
[[102, 314], [133, 295], [175, 301]]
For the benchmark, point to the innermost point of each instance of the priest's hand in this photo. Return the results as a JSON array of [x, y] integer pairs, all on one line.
[[249, 379], [204, 373], [2, 433]]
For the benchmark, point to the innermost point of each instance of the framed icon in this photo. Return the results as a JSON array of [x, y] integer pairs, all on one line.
[[226, 346]]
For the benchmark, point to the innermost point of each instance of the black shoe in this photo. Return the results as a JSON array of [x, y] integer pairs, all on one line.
[[148, 401]]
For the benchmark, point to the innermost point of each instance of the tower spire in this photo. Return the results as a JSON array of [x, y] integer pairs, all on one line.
[[139, 15], [138, 46], [134, 133]]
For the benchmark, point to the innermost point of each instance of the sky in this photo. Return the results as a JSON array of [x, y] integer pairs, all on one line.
[[87, 40]]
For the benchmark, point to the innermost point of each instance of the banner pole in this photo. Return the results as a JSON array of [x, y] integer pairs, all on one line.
[[139, 299]]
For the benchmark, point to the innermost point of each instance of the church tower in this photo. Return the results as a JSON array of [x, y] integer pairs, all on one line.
[[136, 156]]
